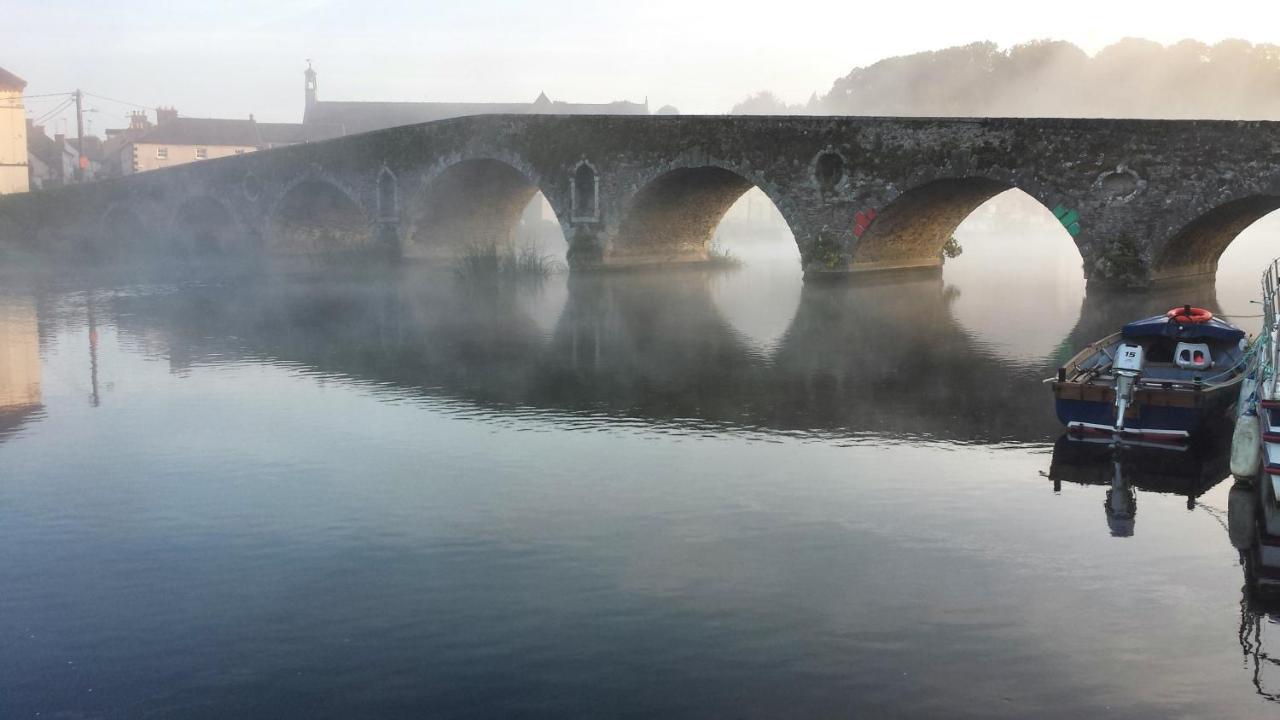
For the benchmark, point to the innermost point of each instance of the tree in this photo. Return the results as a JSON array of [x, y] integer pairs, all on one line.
[[1131, 78], [763, 103]]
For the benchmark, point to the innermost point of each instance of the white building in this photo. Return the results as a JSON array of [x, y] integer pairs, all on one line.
[[13, 135]]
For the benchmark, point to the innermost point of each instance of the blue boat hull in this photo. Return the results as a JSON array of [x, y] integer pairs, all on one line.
[[1149, 417]]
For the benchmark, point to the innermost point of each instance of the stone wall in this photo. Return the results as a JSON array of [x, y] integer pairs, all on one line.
[[1143, 200]]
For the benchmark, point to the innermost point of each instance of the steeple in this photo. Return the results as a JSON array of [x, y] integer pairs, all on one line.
[[311, 89]]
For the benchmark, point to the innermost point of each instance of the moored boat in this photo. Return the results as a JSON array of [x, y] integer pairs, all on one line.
[[1161, 378]]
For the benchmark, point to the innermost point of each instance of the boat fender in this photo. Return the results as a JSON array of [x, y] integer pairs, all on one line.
[[1246, 447]]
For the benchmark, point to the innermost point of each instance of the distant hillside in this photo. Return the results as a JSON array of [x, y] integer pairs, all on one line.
[[1234, 79]]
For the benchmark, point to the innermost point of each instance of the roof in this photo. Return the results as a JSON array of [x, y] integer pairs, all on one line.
[[350, 117], [1164, 326], [9, 81], [43, 147], [222, 131]]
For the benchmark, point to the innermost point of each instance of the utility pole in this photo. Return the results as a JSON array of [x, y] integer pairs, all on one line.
[[81, 160]]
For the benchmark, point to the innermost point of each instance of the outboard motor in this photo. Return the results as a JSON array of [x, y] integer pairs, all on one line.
[[1130, 359]]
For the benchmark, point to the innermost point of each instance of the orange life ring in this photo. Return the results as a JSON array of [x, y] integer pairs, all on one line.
[[1187, 315]]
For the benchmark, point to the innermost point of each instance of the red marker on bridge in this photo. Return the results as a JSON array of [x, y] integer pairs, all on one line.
[[862, 221]]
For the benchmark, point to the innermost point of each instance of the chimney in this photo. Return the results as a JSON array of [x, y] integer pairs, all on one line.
[[138, 120], [165, 116]]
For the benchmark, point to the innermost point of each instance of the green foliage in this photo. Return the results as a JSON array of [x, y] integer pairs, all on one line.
[[1119, 263], [828, 252], [952, 249]]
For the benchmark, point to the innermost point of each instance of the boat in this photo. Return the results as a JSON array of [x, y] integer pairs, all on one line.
[[1159, 379]]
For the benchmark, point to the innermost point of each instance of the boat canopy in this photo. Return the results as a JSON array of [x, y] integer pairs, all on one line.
[[1164, 326]]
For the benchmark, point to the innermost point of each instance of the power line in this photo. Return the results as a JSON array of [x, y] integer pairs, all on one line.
[[55, 111], [122, 102], [46, 95]]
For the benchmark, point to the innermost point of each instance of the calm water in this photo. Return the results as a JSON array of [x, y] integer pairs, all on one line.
[[695, 494]]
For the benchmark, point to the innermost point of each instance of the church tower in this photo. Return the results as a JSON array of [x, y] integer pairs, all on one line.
[[311, 90]]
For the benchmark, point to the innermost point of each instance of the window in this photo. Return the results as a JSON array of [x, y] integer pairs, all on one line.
[[162, 153], [202, 153]]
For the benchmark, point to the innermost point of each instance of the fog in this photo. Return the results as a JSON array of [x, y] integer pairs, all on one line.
[[1133, 78], [233, 58]]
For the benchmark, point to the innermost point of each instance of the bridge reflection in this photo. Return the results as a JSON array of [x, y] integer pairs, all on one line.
[[871, 358]]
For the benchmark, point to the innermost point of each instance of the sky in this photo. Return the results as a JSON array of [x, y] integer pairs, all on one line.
[[235, 57]]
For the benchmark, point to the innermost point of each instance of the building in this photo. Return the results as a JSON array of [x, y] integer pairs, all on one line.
[[13, 135], [175, 140], [333, 118], [52, 161]]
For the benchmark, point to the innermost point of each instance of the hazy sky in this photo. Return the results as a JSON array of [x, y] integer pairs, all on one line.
[[235, 57]]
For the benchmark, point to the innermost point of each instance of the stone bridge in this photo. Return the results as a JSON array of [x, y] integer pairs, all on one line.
[[1143, 200]]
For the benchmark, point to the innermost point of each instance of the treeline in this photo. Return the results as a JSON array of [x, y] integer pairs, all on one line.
[[1233, 79]]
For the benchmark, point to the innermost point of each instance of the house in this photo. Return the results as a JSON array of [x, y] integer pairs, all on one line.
[[329, 118], [13, 135], [176, 140], [52, 161]]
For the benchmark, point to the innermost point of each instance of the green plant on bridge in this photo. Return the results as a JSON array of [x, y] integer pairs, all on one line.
[[952, 250], [828, 251]]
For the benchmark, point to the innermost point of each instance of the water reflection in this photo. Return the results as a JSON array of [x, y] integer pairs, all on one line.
[[878, 358], [1254, 528], [1191, 472], [20, 396], [411, 449]]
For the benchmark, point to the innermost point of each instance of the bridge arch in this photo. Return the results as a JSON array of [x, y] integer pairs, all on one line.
[[674, 214], [913, 229], [468, 203], [122, 231], [316, 216], [204, 226], [1197, 246]]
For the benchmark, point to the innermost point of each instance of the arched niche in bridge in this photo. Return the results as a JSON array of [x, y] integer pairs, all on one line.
[[122, 232], [1013, 271], [316, 217], [204, 227], [675, 216], [586, 193], [473, 204], [388, 196], [1197, 247]]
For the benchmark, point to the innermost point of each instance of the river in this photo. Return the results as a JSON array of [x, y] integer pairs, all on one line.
[[694, 493]]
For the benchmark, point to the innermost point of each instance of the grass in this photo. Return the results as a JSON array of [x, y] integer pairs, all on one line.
[[719, 255], [506, 261]]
